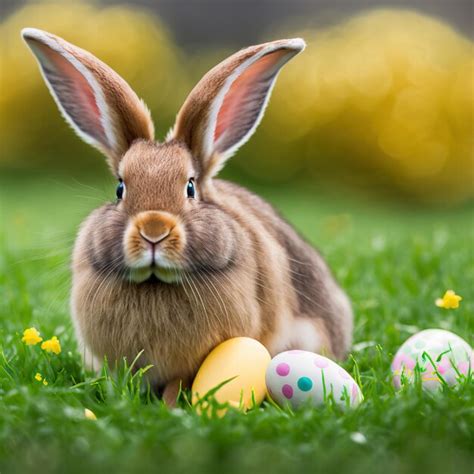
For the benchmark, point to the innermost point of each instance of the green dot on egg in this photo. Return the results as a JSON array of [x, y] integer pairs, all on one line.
[[305, 384], [407, 349], [420, 344]]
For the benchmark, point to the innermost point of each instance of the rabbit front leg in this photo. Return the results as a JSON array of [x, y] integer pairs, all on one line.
[[172, 390], [91, 362]]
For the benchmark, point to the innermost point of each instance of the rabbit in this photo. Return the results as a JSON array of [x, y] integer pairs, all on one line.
[[182, 261]]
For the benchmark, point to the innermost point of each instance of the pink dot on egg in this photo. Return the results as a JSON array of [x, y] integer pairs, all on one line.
[[463, 367], [355, 392], [408, 362], [283, 369], [444, 365], [287, 391], [320, 362], [397, 362]]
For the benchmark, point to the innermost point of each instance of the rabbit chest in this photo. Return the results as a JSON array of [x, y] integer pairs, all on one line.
[[173, 325]]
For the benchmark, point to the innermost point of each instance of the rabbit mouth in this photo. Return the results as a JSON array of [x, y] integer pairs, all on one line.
[[166, 274], [154, 273]]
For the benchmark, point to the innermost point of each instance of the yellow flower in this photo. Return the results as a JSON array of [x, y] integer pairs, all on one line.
[[450, 300], [38, 377], [89, 414], [44, 382], [31, 336], [52, 345]]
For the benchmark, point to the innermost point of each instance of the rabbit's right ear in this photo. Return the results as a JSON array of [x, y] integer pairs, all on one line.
[[98, 104], [222, 112]]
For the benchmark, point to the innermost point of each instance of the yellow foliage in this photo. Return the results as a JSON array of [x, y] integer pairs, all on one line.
[[131, 41], [52, 345], [384, 100], [450, 300], [89, 414], [31, 337], [386, 96]]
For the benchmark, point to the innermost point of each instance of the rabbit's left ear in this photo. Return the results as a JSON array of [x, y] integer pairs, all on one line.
[[98, 104], [223, 110]]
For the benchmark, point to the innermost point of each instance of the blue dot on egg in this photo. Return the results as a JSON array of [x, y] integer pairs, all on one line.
[[305, 384]]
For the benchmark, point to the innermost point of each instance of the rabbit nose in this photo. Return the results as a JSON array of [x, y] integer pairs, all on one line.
[[154, 227], [156, 239]]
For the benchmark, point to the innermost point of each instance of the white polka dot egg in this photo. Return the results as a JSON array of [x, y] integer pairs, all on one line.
[[299, 377], [438, 353]]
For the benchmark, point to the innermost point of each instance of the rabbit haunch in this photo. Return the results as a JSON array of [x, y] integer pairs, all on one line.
[[173, 273]]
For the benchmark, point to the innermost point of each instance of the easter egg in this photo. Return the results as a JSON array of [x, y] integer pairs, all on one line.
[[295, 377], [450, 356], [242, 359]]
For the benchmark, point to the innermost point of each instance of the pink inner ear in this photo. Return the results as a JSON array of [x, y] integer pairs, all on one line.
[[73, 91], [245, 98]]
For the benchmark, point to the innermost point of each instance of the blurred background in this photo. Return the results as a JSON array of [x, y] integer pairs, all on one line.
[[379, 106]]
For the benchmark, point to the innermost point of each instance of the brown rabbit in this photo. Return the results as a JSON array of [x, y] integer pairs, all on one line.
[[182, 261]]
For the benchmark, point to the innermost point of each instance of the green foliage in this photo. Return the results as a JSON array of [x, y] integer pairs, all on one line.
[[393, 262]]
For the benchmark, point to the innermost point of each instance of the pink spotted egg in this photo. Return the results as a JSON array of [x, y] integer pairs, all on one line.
[[299, 377], [441, 356]]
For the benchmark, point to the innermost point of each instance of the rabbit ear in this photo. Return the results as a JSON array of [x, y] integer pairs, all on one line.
[[98, 104], [223, 110]]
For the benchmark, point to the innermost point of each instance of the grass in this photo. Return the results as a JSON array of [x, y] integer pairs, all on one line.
[[393, 262]]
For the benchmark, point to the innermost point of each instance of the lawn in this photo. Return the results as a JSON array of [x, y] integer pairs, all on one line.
[[394, 262]]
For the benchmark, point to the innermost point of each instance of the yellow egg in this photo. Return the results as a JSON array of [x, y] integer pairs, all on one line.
[[242, 359]]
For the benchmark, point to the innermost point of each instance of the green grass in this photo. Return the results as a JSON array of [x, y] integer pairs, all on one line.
[[393, 262]]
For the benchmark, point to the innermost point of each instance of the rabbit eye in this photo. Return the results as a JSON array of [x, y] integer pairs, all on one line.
[[120, 190], [191, 189]]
